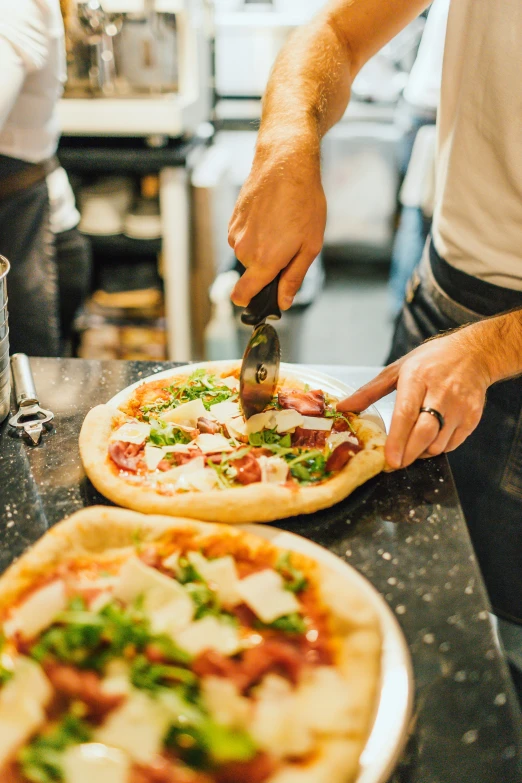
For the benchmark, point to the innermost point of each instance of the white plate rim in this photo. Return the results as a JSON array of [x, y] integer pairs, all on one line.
[[300, 371], [395, 706]]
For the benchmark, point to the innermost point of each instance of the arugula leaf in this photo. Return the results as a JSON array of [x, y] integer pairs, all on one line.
[[155, 676], [210, 744], [166, 434], [186, 572], [289, 623], [204, 599], [331, 413], [270, 437], [295, 580], [40, 760], [5, 672]]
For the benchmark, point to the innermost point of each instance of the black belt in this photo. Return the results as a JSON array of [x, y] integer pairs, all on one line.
[[26, 176], [472, 292]]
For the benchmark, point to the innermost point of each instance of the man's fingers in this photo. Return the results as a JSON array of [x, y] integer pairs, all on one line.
[[251, 283], [458, 438], [410, 394], [380, 386], [293, 276]]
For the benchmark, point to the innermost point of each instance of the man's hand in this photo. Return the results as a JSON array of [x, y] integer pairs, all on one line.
[[279, 221], [449, 374]]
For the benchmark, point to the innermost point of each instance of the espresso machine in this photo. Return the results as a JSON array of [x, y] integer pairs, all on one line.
[[121, 52]]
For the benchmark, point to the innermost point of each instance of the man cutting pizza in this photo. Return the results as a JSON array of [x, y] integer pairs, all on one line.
[[467, 291]]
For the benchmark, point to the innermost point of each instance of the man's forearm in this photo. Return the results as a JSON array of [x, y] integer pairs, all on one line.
[[499, 340], [310, 84]]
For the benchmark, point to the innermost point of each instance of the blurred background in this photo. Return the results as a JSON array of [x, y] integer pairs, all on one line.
[[159, 118]]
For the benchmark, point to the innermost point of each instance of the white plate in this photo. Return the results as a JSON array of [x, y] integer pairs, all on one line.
[[390, 727], [315, 379]]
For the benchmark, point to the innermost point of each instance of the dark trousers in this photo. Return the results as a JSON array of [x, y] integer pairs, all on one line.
[[488, 467], [49, 276]]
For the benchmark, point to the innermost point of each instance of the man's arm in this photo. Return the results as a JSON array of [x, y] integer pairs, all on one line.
[[451, 374], [280, 216]]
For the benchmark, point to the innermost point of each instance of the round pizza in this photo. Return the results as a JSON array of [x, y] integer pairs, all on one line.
[[143, 649], [182, 446]]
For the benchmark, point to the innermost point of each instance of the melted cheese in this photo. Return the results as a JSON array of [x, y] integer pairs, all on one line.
[[186, 414], [288, 420], [153, 456], [137, 727], [165, 601], [317, 423], [213, 444], [22, 705], [135, 432], [264, 593], [221, 574], [210, 633], [225, 410], [38, 611], [94, 761], [260, 421], [274, 470]]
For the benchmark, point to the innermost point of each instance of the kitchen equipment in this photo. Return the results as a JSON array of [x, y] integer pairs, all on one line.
[[5, 375], [30, 418], [262, 357]]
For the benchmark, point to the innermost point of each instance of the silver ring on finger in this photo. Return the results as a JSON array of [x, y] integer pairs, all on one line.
[[437, 414]]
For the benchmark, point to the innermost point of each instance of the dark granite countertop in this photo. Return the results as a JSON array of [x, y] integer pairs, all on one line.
[[405, 532]]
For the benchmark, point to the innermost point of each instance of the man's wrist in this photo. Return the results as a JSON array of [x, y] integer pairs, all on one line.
[[289, 141], [498, 341]]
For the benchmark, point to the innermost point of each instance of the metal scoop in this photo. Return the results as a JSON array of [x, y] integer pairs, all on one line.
[[260, 366], [30, 417]]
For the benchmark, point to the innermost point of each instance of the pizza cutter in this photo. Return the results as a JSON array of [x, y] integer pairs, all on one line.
[[30, 418], [260, 366]]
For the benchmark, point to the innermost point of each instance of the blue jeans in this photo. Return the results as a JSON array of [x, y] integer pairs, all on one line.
[[488, 467]]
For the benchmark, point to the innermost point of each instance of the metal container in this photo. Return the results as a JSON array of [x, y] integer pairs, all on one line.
[[5, 376]]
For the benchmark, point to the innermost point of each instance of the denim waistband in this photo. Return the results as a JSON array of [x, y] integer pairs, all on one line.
[[472, 292]]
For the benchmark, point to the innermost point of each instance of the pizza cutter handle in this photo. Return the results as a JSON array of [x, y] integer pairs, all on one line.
[[23, 380], [263, 305]]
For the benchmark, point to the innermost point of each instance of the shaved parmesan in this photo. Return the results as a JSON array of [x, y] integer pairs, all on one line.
[[265, 594], [22, 702], [165, 601], [224, 702], [92, 760], [210, 633], [225, 410], [221, 574], [135, 432], [38, 611], [237, 427], [213, 444], [187, 414], [153, 456], [116, 680], [172, 475], [288, 420], [274, 470], [230, 382], [179, 448], [336, 438], [317, 423], [137, 727], [260, 421], [202, 480], [171, 562]]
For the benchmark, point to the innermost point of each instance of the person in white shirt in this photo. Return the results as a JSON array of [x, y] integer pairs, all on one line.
[[467, 291], [50, 260]]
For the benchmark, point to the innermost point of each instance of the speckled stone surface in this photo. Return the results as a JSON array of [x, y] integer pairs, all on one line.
[[404, 532]]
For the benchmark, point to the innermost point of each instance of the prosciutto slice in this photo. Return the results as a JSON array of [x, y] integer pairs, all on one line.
[[309, 403], [341, 455], [309, 439], [83, 686], [127, 456]]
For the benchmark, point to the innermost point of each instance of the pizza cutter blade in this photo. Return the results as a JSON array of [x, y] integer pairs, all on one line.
[[260, 366]]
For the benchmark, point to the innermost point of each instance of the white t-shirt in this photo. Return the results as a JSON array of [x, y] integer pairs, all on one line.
[[423, 87], [32, 75], [478, 204]]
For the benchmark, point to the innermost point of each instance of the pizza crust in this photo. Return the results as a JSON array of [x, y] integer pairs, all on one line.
[[259, 502], [105, 533]]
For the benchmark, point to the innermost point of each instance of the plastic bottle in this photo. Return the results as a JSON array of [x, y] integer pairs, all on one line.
[[221, 339]]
